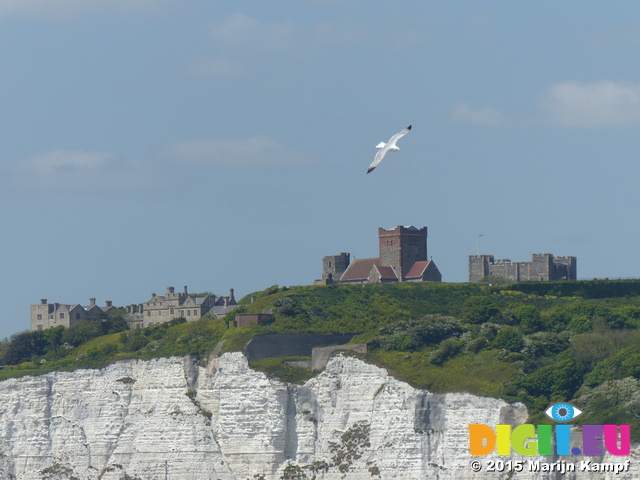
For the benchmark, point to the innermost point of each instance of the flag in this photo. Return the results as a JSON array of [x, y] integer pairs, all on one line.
[[481, 234]]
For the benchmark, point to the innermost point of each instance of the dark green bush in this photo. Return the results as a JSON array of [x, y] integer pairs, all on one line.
[[448, 349], [479, 310], [508, 338]]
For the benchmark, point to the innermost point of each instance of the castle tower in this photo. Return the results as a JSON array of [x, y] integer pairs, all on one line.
[[542, 269], [401, 247], [333, 266], [480, 267], [565, 268]]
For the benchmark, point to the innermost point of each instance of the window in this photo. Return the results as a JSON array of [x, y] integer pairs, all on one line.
[[148, 313], [39, 328], [40, 317], [182, 313], [172, 310], [159, 313], [62, 315], [188, 313]]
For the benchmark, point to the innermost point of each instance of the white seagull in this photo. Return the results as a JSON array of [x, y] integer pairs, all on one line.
[[385, 147]]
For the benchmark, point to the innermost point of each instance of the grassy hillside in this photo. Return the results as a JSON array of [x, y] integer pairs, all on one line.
[[538, 342]]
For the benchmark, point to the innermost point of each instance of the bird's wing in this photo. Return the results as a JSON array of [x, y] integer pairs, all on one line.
[[398, 136], [379, 156]]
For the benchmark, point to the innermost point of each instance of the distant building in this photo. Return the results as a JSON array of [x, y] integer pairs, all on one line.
[[159, 309], [542, 267], [333, 266], [403, 258], [164, 308], [245, 319], [49, 315]]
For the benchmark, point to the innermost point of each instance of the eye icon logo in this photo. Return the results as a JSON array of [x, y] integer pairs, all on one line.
[[562, 412]]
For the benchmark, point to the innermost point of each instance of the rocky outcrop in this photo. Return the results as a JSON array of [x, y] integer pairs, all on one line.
[[168, 418]]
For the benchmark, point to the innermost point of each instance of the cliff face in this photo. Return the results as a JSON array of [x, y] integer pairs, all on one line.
[[167, 418]]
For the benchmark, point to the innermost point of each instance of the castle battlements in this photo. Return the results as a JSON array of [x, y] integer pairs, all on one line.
[[542, 267]]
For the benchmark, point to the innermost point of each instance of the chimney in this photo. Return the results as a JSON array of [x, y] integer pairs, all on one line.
[[170, 290], [109, 303], [92, 302], [185, 290], [231, 299], [226, 301], [43, 301], [140, 307]]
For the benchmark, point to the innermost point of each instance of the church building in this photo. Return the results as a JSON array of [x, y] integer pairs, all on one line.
[[403, 258]]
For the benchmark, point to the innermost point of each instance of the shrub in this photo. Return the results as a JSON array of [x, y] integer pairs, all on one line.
[[479, 310], [509, 338], [412, 335], [447, 350], [558, 381], [529, 318], [623, 364]]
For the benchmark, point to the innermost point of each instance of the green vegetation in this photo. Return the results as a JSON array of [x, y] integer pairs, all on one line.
[[281, 368], [172, 338], [538, 343]]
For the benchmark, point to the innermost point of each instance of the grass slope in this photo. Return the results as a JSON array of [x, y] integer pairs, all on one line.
[[539, 343]]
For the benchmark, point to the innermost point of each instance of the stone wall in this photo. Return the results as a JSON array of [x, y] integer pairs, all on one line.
[[320, 355], [542, 267], [294, 345]]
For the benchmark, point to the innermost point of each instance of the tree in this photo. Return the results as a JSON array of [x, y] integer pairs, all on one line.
[[24, 346]]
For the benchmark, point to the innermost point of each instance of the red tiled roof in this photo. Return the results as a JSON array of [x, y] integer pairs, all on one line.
[[386, 273], [359, 269], [417, 269]]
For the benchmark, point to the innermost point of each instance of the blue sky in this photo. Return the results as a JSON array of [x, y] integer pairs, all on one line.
[[148, 143]]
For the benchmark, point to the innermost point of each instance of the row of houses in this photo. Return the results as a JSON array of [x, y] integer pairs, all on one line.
[[159, 309]]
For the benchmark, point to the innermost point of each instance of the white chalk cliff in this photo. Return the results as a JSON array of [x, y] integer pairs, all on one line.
[[168, 418]]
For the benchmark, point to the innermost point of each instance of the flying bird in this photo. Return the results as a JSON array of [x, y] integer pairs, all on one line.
[[385, 147]]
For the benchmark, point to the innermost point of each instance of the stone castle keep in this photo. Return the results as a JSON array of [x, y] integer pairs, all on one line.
[[403, 258], [159, 309], [542, 267]]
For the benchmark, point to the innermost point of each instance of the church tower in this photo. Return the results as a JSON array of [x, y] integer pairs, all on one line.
[[401, 247]]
